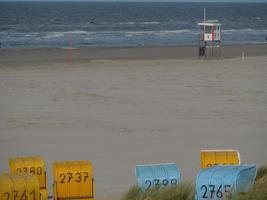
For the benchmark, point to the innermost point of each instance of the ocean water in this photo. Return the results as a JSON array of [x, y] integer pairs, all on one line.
[[91, 24]]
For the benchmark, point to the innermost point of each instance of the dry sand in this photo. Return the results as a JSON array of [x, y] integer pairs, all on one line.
[[119, 113]]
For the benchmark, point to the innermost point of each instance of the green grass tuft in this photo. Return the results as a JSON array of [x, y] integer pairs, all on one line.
[[133, 193], [181, 192], [261, 172]]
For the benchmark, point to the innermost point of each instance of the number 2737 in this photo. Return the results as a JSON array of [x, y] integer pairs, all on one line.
[[77, 177]]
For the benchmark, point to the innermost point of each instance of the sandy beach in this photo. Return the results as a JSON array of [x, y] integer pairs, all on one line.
[[119, 107], [21, 57]]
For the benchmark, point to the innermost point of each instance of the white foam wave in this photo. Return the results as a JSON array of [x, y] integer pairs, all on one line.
[[147, 23], [31, 34], [91, 35], [76, 32], [138, 23], [244, 31], [51, 35], [126, 23], [160, 33]]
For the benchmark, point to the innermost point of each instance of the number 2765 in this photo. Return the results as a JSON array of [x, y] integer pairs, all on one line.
[[219, 191]]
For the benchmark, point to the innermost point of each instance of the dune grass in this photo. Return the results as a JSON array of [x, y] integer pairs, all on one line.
[[134, 193], [183, 191], [261, 172], [186, 191], [259, 191]]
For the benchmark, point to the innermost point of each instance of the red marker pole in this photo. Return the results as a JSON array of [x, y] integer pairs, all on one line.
[[70, 53]]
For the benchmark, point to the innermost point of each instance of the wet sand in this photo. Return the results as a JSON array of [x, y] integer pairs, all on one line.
[[10, 57], [121, 111]]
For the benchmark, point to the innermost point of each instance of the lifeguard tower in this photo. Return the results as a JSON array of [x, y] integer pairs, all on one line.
[[210, 37]]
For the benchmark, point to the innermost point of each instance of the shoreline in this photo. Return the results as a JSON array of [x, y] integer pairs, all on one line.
[[136, 46], [60, 55]]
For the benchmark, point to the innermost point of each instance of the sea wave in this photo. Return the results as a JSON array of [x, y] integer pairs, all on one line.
[[52, 35], [139, 23], [126, 23], [57, 34], [244, 31], [160, 33], [105, 34], [147, 23]]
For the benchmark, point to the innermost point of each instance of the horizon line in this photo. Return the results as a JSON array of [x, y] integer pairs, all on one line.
[[145, 1]]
